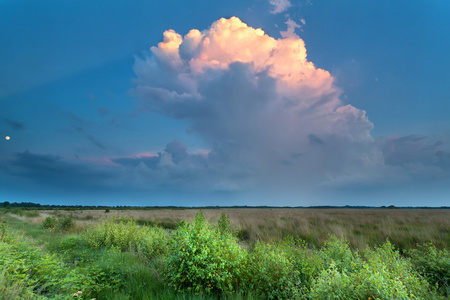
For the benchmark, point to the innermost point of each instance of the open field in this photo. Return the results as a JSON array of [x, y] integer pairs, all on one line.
[[360, 227], [275, 253]]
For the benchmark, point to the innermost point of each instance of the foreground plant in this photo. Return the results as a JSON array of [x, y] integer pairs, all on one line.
[[126, 235], [434, 265], [375, 274], [204, 259], [62, 223], [271, 272], [37, 272]]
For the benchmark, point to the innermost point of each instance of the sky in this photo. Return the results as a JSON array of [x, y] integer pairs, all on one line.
[[199, 103]]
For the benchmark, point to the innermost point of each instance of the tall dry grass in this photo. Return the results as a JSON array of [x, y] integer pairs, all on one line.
[[360, 227]]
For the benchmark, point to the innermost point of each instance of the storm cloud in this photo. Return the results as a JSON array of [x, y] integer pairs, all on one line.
[[268, 113]]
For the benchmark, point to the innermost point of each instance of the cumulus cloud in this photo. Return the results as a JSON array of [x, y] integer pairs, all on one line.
[[268, 112], [273, 120], [176, 168], [279, 6]]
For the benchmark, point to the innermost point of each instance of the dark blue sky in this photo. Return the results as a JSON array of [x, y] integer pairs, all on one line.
[[228, 114]]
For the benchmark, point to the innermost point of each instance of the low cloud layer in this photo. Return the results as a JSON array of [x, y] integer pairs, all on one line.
[[417, 156], [52, 171]]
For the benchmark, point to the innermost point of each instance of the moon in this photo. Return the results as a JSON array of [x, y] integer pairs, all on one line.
[[7, 138]]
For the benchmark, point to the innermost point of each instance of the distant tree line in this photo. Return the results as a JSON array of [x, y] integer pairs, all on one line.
[[31, 205]]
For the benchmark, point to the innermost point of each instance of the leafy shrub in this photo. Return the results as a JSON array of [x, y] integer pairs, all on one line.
[[271, 272], [309, 263], [126, 235], [333, 284], [63, 223], [223, 225], [434, 265], [49, 223], [204, 259], [380, 274], [338, 252]]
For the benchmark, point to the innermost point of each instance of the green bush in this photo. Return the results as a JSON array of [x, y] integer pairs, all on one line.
[[271, 272], [338, 252], [49, 223], [126, 235], [434, 265], [204, 259], [379, 274], [63, 223], [309, 263], [333, 284]]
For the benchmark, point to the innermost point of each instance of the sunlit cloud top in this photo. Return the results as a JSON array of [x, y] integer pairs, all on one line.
[[259, 101]]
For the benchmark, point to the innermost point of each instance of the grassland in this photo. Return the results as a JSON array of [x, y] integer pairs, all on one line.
[[360, 227], [277, 252]]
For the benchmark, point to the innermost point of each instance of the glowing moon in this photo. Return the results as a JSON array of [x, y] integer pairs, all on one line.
[[7, 138]]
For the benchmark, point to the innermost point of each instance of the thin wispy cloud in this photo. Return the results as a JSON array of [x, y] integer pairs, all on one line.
[[16, 125], [279, 6], [291, 26]]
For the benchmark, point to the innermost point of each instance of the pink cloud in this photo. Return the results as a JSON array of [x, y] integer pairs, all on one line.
[[291, 26], [231, 40], [98, 161], [259, 99], [279, 6]]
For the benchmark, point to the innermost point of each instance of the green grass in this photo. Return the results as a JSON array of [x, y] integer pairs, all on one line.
[[22, 212], [116, 258]]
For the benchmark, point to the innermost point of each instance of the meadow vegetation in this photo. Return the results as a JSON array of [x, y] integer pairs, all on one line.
[[225, 254]]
